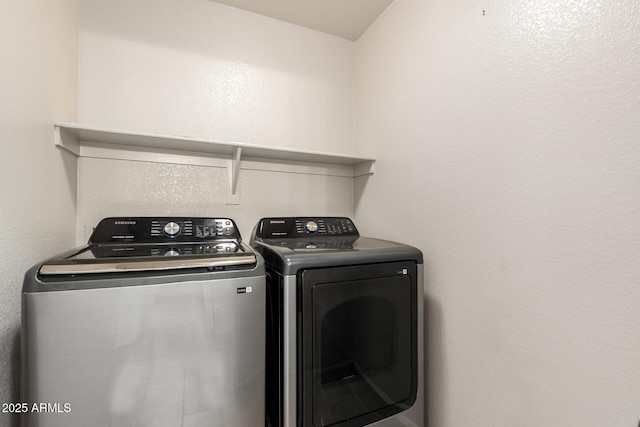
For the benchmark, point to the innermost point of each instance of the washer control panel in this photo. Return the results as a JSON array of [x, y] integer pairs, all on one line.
[[304, 226], [165, 250], [164, 230]]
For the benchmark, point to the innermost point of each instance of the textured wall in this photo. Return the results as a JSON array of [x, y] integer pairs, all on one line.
[[506, 134], [143, 188], [197, 68], [38, 80]]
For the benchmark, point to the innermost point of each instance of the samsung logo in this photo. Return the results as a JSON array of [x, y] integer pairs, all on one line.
[[125, 223], [276, 222]]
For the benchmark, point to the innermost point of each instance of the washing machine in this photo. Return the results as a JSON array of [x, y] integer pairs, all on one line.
[[344, 325], [155, 322]]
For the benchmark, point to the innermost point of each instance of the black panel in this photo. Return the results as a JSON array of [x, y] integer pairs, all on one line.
[[358, 356], [290, 227], [152, 230]]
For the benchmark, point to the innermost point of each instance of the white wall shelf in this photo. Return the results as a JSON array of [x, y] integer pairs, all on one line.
[[89, 141]]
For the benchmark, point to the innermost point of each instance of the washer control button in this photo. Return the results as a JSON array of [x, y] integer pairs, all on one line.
[[311, 226], [172, 252], [172, 229]]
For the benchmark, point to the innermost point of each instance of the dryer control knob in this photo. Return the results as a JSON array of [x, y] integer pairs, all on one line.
[[172, 229], [311, 226]]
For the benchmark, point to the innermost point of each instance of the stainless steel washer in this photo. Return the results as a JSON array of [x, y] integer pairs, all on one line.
[[155, 322]]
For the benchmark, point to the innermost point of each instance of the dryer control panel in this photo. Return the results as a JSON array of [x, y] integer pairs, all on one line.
[[286, 227], [164, 230]]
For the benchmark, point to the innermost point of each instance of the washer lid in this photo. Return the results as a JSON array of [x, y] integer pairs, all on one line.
[[161, 257], [133, 244]]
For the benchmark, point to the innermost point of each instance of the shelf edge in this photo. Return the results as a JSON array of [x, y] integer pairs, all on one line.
[[71, 136]]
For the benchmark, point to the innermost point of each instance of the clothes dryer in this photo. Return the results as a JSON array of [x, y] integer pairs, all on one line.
[[344, 325]]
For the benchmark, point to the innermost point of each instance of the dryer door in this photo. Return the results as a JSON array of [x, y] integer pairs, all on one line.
[[358, 352]]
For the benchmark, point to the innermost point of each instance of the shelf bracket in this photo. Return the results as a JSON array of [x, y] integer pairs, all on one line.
[[364, 168], [67, 140], [233, 174]]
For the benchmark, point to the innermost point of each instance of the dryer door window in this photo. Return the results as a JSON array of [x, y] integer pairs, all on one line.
[[358, 353]]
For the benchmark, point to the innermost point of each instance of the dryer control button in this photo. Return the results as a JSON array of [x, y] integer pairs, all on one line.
[[311, 226], [172, 229]]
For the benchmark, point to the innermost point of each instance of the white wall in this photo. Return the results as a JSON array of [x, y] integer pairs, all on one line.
[[38, 81], [200, 69], [507, 142], [145, 188]]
